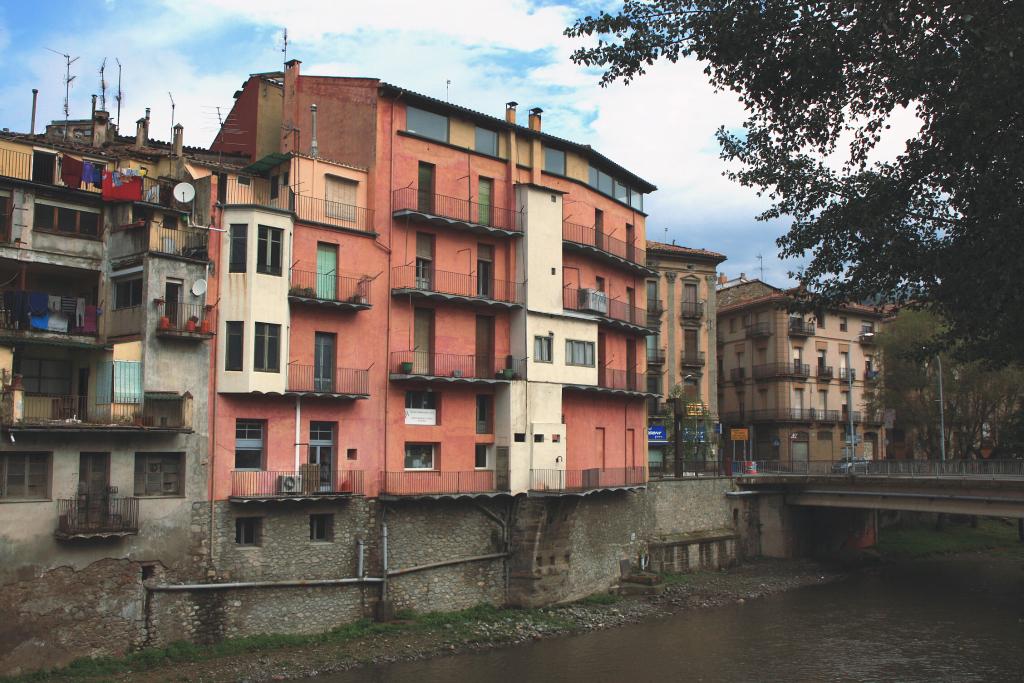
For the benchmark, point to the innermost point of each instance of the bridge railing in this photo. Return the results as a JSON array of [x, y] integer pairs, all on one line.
[[924, 469]]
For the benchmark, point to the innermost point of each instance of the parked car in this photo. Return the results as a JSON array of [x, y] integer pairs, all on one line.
[[850, 466]]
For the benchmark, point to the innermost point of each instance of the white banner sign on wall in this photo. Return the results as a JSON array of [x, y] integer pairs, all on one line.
[[420, 416]]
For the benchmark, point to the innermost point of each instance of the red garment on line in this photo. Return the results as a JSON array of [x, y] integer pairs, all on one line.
[[130, 189], [71, 171]]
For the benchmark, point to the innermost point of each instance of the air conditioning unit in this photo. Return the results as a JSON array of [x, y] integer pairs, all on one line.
[[289, 483], [593, 301]]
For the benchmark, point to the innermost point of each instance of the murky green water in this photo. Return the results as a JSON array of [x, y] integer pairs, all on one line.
[[944, 620]]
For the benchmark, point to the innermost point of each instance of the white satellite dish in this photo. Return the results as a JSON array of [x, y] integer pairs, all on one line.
[[184, 193], [199, 287]]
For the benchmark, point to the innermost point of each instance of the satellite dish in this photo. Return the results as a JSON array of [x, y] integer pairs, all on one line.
[[184, 193], [199, 287]]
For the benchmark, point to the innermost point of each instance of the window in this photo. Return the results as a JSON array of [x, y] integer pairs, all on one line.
[[480, 457], [340, 197], [268, 250], [248, 530], [158, 474], [538, 438], [485, 197], [419, 456], [40, 376], [486, 141], [420, 408], [554, 161], [483, 414], [352, 453], [485, 269], [239, 235], [426, 123], [274, 186], [579, 353], [620, 192], [66, 220], [233, 352], [424, 261], [425, 188], [820, 319], [519, 437], [732, 324], [249, 444], [267, 346], [542, 349], [842, 324], [43, 166], [25, 475], [321, 528], [127, 293]]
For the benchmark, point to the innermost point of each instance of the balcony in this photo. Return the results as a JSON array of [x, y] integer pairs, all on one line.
[[21, 166], [333, 214], [311, 482], [823, 373], [615, 381], [593, 242], [655, 356], [655, 308], [691, 310], [618, 314], [106, 517], [412, 483], [800, 328], [309, 380], [153, 412], [657, 407], [738, 375], [461, 214], [847, 374], [254, 192], [784, 414], [124, 322], [151, 237], [329, 290], [187, 322], [759, 330], [790, 370], [867, 337], [441, 285], [582, 482], [26, 315], [692, 359], [872, 375], [454, 368]]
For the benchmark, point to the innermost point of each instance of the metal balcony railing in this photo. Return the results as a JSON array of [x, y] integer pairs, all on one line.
[[97, 516], [253, 191], [459, 210], [330, 380], [738, 374], [824, 372], [867, 337], [597, 303], [655, 356], [20, 166], [457, 284], [847, 374], [655, 307], [690, 310], [310, 481], [692, 359], [19, 307], [62, 411], [624, 380], [308, 284], [458, 366], [335, 214], [793, 369], [591, 237], [800, 328], [559, 481], [436, 482], [759, 330], [181, 319]]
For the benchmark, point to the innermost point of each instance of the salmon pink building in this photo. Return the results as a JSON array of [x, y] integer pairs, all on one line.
[[420, 300]]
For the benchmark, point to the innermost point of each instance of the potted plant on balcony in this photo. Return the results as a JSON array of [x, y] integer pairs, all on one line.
[[405, 367], [192, 323], [508, 373]]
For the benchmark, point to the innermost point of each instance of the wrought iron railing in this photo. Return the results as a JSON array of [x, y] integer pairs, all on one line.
[[591, 237], [737, 374], [847, 374], [253, 191], [463, 366], [692, 359], [788, 369], [460, 210], [759, 330], [177, 317], [655, 307], [192, 243], [625, 380], [691, 309], [436, 482], [330, 380], [310, 480], [17, 308], [308, 284], [824, 372], [587, 479], [799, 327], [457, 284], [86, 515], [336, 214], [655, 355], [597, 302]]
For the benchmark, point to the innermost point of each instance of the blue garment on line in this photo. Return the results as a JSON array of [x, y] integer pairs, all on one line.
[[41, 322], [38, 303]]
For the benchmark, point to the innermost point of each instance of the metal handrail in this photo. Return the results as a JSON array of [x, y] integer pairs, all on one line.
[[787, 369], [460, 210], [457, 284], [912, 469], [436, 482], [592, 237], [598, 303], [86, 515], [586, 479], [625, 380], [759, 330], [691, 309], [458, 366], [309, 480], [308, 284], [327, 212], [309, 378]]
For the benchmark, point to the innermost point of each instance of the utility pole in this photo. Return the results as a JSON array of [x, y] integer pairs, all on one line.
[[849, 413], [942, 413]]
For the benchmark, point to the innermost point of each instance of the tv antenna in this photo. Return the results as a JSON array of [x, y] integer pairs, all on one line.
[[284, 48], [447, 87], [172, 113], [68, 78], [103, 85], [760, 260], [120, 95]]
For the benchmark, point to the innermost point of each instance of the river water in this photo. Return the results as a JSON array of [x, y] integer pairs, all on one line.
[[958, 619]]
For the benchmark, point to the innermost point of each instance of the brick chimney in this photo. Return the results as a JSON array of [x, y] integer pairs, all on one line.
[[722, 278], [179, 135], [510, 112], [535, 118], [140, 133], [100, 128], [147, 124]]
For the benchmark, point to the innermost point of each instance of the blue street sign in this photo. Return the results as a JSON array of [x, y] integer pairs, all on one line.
[[657, 433]]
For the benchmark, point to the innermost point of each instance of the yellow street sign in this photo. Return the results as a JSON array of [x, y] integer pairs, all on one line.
[[739, 434]]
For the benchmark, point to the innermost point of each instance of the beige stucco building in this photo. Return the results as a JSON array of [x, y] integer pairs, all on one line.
[[787, 378]]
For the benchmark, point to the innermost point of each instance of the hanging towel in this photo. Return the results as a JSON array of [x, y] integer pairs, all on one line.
[[118, 187], [68, 305], [93, 174], [41, 322], [87, 172], [89, 323], [80, 312], [71, 171], [37, 303], [53, 303], [57, 323]]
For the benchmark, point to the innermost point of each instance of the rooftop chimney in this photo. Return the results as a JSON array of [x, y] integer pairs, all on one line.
[[140, 133], [35, 96], [722, 278], [100, 128], [743, 276], [314, 151], [535, 118], [179, 135], [147, 124], [510, 112], [93, 106]]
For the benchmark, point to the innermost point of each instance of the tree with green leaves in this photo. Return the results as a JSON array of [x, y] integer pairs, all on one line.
[[939, 226]]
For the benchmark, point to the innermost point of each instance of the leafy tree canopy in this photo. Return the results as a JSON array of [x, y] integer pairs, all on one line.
[[942, 224]]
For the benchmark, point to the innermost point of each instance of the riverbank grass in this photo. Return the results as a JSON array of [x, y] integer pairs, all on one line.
[[919, 540]]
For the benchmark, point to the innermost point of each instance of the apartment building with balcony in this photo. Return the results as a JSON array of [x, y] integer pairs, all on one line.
[[104, 336], [418, 301], [796, 381]]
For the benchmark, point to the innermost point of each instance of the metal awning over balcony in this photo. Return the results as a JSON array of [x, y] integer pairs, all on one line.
[[440, 285]]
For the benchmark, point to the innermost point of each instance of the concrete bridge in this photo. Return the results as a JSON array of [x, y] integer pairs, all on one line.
[[824, 506]]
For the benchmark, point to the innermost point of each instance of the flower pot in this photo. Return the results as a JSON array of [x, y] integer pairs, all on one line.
[[204, 327], [190, 326], [405, 367], [508, 373], [165, 322]]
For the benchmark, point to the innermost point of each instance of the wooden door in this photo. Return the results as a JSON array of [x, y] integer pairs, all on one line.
[[485, 364], [93, 488]]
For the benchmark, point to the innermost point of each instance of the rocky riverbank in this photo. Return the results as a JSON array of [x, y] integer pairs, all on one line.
[[274, 658]]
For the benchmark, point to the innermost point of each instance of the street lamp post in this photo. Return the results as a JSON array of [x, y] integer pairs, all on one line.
[[849, 413], [942, 413]]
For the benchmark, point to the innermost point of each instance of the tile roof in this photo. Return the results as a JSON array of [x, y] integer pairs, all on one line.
[[688, 251]]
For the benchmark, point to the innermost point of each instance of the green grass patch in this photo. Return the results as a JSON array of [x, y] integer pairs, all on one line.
[[911, 541], [600, 599], [672, 579]]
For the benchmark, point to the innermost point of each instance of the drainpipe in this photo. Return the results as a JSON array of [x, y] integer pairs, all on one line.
[[298, 422], [313, 149]]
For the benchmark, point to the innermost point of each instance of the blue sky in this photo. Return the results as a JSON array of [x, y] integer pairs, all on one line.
[[661, 126]]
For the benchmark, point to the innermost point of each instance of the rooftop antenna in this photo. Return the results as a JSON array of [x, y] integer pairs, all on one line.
[[447, 87], [172, 113], [68, 78], [284, 49], [103, 85], [760, 260], [120, 95]]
